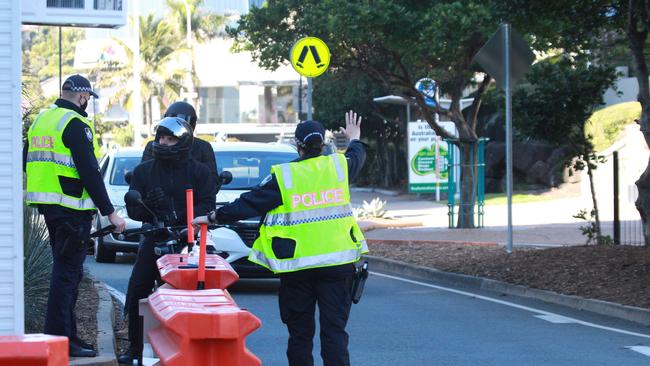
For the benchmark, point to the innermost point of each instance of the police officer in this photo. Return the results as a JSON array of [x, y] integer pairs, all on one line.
[[163, 181], [64, 181], [309, 237]]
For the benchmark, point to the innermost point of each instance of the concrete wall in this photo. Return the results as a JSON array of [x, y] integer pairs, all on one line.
[[11, 203]]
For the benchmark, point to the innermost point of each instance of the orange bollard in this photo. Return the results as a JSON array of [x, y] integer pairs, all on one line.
[[189, 206], [201, 328], [200, 284], [175, 272], [34, 350]]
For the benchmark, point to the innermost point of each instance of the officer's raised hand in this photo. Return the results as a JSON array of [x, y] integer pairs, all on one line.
[[352, 128]]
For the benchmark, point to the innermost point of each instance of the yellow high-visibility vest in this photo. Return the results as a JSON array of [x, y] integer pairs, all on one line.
[[315, 215], [48, 159]]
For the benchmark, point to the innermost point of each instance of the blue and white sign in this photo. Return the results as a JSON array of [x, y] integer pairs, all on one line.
[[429, 89]]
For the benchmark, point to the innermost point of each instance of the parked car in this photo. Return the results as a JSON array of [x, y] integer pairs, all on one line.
[[248, 162]]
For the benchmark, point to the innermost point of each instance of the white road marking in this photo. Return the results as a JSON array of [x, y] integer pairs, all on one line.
[[119, 295], [556, 319], [644, 350], [148, 361], [507, 303]]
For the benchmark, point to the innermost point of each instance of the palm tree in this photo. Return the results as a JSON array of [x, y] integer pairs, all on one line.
[[205, 25], [160, 72]]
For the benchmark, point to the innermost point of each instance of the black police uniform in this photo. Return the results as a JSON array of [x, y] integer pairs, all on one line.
[[69, 229], [173, 177], [300, 290]]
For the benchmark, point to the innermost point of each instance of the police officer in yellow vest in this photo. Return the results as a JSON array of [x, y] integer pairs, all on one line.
[[310, 238], [64, 182]]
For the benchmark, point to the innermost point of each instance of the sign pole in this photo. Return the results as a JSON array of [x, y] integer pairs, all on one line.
[[437, 168], [309, 86], [508, 92], [506, 57]]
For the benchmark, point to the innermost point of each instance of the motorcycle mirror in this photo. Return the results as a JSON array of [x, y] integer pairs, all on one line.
[[127, 177], [225, 177], [132, 198]]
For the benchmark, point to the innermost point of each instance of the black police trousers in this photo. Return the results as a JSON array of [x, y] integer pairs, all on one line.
[[300, 291], [68, 252], [143, 277]]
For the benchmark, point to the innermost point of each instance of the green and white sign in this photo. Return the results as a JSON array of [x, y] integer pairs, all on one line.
[[428, 167]]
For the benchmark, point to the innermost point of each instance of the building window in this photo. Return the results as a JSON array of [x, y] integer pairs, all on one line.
[[211, 105], [72, 4], [108, 5]]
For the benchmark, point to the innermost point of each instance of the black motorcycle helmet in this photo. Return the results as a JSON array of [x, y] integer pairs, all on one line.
[[183, 110], [176, 127]]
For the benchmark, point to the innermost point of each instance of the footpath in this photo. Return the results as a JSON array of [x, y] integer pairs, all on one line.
[[412, 218]]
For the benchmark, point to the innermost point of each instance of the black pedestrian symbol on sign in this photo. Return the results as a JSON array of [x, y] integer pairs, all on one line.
[[314, 53]]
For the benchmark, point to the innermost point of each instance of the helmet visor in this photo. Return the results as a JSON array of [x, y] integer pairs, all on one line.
[[174, 126]]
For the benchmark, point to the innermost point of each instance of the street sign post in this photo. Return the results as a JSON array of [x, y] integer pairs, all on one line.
[[506, 57], [310, 57]]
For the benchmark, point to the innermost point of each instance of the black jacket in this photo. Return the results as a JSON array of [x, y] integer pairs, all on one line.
[[78, 138], [201, 151], [173, 179], [267, 196]]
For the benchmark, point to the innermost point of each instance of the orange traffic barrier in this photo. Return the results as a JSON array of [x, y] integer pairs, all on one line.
[[175, 271], [33, 350], [201, 328]]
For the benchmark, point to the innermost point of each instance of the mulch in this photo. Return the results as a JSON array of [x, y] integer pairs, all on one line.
[[619, 274], [86, 311]]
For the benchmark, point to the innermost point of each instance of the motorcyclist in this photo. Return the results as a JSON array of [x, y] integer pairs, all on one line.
[[201, 150], [162, 182]]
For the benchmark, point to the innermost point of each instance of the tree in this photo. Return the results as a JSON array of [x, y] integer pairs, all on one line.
[[160, 76], [205, 25], [575, 89], [583, 23], [41, 51], [336, 93], [394, 43]]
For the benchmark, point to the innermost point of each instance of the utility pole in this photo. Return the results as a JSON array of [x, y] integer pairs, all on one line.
[[135, 115]]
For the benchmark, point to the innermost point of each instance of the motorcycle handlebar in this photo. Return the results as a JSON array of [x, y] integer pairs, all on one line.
[[180, 230]]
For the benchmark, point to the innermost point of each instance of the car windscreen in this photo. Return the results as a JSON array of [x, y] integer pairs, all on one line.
[[121, 166], [250, 168]]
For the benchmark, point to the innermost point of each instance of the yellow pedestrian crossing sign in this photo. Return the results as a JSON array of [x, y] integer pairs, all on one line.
[[310, 56]]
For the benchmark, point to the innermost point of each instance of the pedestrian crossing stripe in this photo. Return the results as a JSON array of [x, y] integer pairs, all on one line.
[[644, 350], [310, 57]]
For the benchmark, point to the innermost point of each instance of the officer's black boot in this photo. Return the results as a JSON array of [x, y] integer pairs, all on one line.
[[126, 358], [81, 342], [79, 351]]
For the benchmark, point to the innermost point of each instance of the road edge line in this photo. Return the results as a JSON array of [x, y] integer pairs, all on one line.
[[625, 312]]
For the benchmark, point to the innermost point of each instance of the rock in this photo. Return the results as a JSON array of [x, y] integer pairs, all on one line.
[[525, 154], [537, 173]]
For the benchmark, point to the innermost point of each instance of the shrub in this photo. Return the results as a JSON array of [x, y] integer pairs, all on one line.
[[38, 269]]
